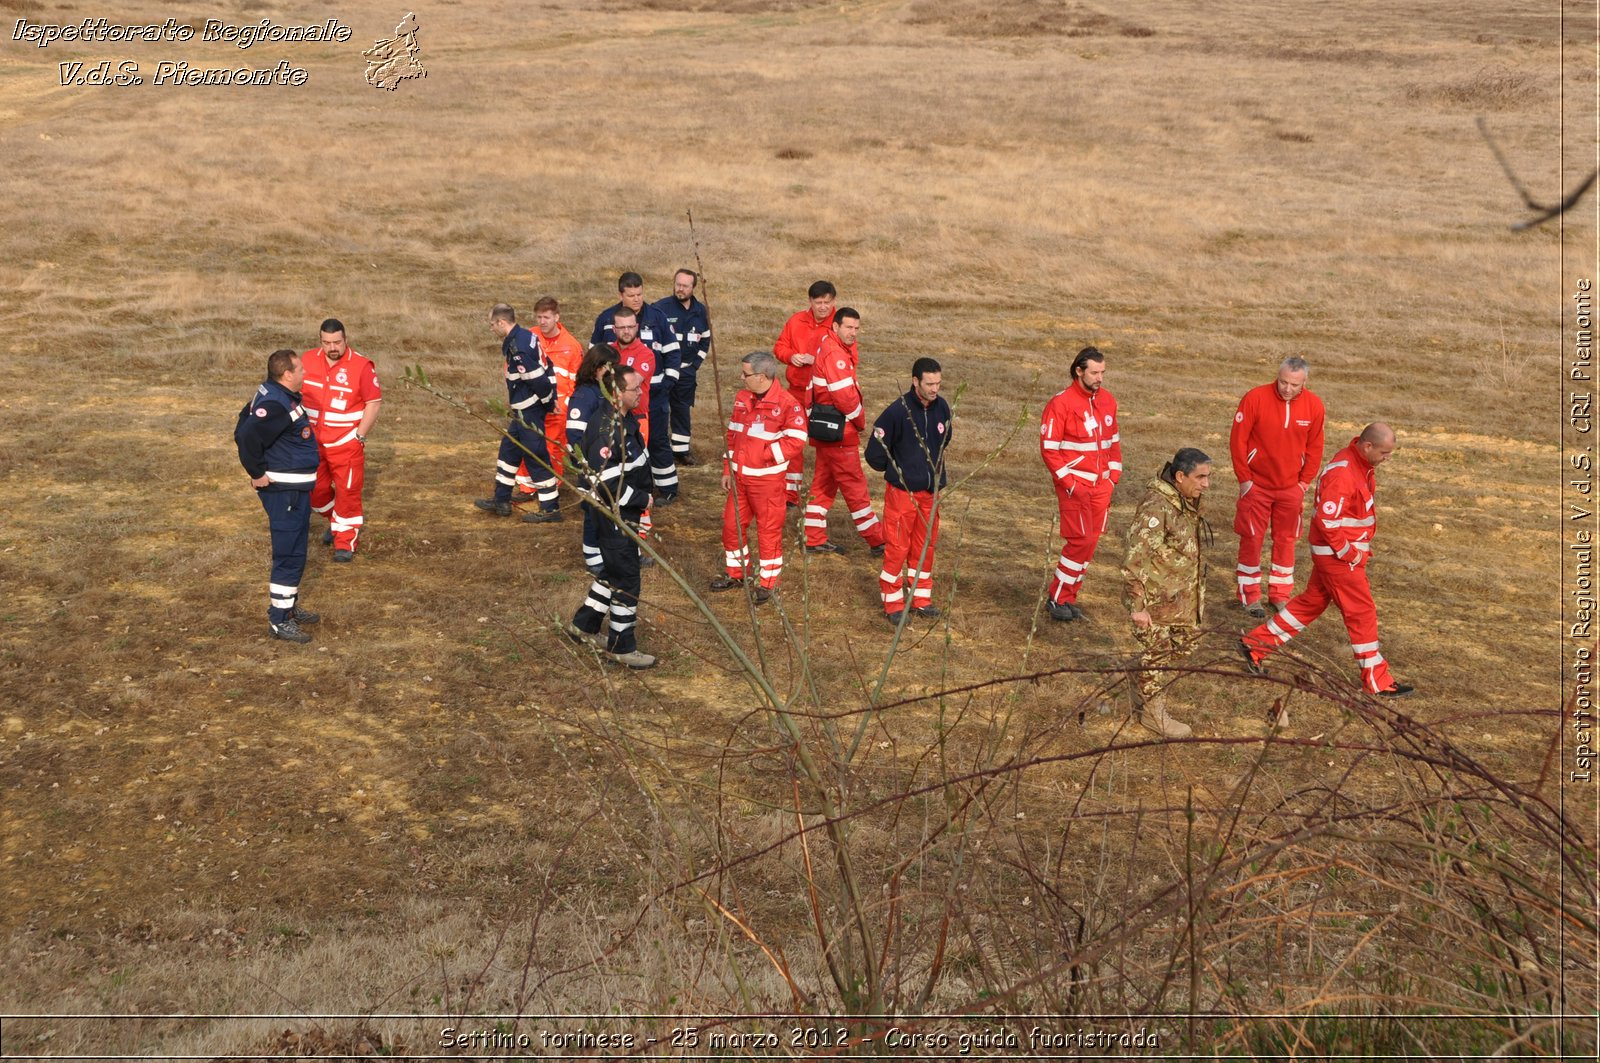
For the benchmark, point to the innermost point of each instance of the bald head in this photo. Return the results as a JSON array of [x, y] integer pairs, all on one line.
[[1376, 443]]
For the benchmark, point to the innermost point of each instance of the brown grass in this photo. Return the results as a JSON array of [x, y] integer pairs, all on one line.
[[199, 820]]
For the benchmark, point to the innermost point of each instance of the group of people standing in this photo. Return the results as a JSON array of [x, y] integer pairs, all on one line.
[[615, 419]]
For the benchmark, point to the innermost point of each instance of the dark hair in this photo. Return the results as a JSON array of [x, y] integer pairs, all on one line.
[[1085, 356], [629, 280], [331, 325], [820, 288], [923, 366], [1186, 461], [623, 311], [593, 359], [546, 302], [691, 274], [502, 312], [280, 362], [845, 312]]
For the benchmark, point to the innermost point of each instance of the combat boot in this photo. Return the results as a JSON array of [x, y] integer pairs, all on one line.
[[1152, 716]]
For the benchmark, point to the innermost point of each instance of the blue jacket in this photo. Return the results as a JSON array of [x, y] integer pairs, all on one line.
[[530, 385], [613, 450], [654, 332], [275, 438], [582, 406], [908, 441], [691, 328]]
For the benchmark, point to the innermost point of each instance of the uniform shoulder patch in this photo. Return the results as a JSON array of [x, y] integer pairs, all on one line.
[[1330, 508], [1238, 416], [1155, 522], [1108, 420], [878, 433], [941, 428], [261, 411]]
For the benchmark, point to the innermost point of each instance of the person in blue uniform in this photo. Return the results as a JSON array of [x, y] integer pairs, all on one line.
[[690, 322], [531, 393], [655, 333], [278, 450], [614, 472]]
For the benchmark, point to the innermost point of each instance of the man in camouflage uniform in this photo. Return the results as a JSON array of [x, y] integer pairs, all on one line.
[[1163, 577]]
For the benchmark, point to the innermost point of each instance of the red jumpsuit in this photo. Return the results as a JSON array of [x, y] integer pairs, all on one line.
[[1082, 447], [336, 397], [766, 437], [802, 334], [1342, 529], [565, 354], [1277, 450], [838, 465]]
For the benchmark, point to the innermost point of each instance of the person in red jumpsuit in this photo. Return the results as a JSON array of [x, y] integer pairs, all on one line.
[[1276, 445], [838, 464], [1342, 530], [1081, 445], [342, 397], [766, 438], [796, 348]]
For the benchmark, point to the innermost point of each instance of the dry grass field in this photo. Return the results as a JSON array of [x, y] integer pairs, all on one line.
[[442, 808]]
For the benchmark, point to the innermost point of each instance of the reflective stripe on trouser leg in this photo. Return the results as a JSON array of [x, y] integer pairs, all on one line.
[[663, 470], [1287, 506], [823, 487], [851, 481], [537, 475], [1251, 514], [737, 513], [1083, 518], [341, 474], [1294, 615], [1249, 580], [1353, 595], [591, 539], [595, 610], [905, 529], [289, 522], [1162, 646], [620, 556], [682, 402], [919, 559], [759, 499]]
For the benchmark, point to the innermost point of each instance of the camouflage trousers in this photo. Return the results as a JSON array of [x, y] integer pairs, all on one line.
[[1164, 645]]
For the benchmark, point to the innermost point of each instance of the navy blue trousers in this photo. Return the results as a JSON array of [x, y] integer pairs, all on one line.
[[289, 518], [682, 402], [613, 598], [663, 470], [511, 455]]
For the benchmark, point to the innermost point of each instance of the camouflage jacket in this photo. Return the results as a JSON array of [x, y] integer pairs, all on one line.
[[1162, 570]]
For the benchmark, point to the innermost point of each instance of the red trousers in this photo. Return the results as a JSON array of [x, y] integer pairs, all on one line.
[[1083, 520], [908, 542], [758, 498], [1331, 581], [1259, 508], [341, 471], [839, 470]]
